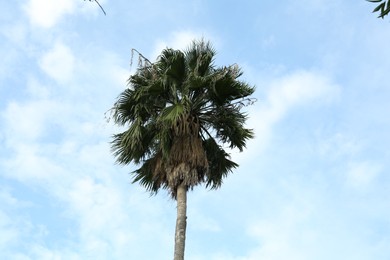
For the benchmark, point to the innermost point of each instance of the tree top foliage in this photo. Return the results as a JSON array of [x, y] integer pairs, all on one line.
[[178, 111]]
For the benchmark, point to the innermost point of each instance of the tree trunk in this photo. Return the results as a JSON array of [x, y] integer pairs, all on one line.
[[181, 222]]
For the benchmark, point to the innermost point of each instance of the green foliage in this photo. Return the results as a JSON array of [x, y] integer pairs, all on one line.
[[383, 8], [177, 111]]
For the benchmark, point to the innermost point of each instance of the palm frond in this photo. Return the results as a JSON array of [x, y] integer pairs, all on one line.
[[135, 144], [383, 8], [200, 57], [151, 174], [170, 115], [228, 123], [219, 163]]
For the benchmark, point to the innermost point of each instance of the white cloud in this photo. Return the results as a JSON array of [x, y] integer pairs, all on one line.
[[304, 223], [26, 121], [37, 90], [8, 232], [319, 6], [201, 222], [96, 205], [47, 13], [93, 195], [13, 227], [284, 94], [361, 174], [29, 166], [16, 33], [58, 63], [30, 120], [10, 55], [337, 146], [7, 198]]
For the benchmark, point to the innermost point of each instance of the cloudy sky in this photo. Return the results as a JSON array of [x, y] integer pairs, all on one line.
[[313, 184]]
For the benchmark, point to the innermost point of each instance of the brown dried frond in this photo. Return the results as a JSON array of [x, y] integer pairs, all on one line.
[[187, 162], [159, 172], [182, 174]]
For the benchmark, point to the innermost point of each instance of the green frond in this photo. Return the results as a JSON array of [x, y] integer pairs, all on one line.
[[195, 82], [172, 63], [227, 88], [228, 122], [200, 57], [219, 163], [383, 8], [150, 175], [135, 144], [164, 141], [171, 114]]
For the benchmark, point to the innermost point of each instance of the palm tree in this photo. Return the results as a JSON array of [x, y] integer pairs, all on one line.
[[177, 112]]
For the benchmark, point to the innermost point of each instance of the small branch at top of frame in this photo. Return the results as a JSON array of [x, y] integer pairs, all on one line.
[[104, 12]]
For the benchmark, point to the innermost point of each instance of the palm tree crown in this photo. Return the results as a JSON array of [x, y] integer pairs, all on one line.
[[177, 112]]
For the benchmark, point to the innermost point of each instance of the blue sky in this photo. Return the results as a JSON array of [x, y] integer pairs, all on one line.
[[313, 184]]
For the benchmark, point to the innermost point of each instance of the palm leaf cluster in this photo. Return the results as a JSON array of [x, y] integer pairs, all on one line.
[[177, 111], [383, 7]]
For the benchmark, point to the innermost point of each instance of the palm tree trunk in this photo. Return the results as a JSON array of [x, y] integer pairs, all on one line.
[[181, 222]]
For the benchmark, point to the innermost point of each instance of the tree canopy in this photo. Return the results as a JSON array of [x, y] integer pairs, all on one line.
[[178, 111]]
